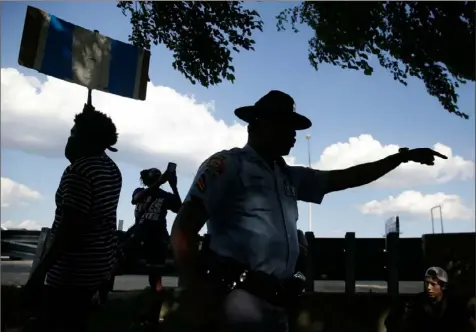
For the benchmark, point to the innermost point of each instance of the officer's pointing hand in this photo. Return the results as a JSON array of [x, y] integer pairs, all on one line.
[[425, 156]]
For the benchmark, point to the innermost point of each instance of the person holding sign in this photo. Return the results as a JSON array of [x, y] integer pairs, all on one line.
[[80, 256]]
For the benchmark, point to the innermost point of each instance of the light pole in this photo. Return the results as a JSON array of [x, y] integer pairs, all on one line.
[[308, 138], [432, 218]]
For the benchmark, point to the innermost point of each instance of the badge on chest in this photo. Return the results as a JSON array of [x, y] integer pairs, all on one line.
[[289, 189]]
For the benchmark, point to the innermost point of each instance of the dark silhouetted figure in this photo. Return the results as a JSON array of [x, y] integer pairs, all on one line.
[[248, 199], [152, 204], [81, 254], [149, 237]]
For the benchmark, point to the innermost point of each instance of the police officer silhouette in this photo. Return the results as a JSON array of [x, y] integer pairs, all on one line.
[[248, 199]]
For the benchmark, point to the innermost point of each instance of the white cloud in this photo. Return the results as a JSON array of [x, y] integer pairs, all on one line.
[[14, 193], [169, 126], [290, 160], [37, 117], [417, 204], [365, 148], [26, 224]]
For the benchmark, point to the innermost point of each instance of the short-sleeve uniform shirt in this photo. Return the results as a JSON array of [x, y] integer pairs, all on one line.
[[253, 209]]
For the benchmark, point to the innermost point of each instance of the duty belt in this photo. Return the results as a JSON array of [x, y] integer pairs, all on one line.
[[232, 275]]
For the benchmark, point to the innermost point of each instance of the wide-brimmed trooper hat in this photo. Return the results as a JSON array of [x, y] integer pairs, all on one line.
[[274, 103]]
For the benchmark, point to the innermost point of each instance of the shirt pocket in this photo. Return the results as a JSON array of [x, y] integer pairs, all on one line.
[[257, 192], [290, 202], [291, 209]]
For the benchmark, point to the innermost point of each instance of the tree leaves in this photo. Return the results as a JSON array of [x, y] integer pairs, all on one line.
[[432, 41], [201, 34]]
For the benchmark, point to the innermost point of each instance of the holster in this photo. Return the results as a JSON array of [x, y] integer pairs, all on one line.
[[230, 275], [221, 276]]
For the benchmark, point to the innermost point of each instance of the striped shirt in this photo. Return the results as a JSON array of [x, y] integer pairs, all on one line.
[[92, 186]]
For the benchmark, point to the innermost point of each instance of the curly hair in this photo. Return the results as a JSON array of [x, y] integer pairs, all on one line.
[[143, 176], [100, 129]]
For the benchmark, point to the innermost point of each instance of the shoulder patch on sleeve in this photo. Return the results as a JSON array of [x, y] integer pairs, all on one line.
[[200, 183], [216, 164], [211, 168]]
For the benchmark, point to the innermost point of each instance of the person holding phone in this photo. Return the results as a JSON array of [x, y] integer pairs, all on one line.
[[152, 204]]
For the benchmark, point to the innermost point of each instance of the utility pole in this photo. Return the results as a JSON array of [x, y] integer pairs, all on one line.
[[308, 138]]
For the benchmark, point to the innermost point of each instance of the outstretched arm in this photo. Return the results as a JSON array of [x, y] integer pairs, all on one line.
[[312, 185], [363, 174]]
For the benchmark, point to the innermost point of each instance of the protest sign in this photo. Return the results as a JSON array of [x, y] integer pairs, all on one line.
[[69, 52]]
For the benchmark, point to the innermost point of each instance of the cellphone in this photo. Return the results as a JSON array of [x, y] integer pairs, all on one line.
[[171, 167]]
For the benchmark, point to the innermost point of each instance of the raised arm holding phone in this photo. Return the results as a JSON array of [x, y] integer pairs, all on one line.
[[155, 179], [151, 206]]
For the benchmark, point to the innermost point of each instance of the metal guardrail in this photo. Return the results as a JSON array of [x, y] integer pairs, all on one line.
[[18, 250], [19, 244], [20, 235]]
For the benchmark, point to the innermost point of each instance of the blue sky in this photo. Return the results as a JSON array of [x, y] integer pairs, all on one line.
[[343, 105]]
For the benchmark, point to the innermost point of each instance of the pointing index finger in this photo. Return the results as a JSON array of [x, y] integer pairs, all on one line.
[[442, 156]]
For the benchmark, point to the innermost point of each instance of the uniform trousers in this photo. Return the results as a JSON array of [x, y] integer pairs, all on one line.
[[245, 312]]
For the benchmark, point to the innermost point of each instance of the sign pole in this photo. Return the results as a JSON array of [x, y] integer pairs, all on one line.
[[308, 138], [89, 101]]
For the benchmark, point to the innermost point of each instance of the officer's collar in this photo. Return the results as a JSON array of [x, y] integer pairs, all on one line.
[[253, 155], [256, 157]]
